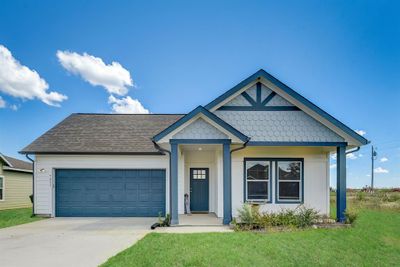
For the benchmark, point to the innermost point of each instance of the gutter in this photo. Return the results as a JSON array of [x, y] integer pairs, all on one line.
[[16, 169], [33, 183], [163, 151]]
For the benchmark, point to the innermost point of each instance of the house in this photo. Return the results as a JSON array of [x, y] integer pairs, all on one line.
[[15, 183], [260, 142]]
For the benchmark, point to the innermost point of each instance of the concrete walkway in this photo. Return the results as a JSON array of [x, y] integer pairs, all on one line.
[[69, 241], [208, 219], [194, 229]]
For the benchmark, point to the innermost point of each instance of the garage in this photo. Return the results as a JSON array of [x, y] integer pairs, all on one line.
[[110, 192]]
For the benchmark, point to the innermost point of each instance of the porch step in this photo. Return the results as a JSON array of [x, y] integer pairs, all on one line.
[[198, 225], [185, 229]]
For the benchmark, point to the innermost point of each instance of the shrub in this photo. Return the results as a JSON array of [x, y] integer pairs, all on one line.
[[251, 218], [164, 221], [306, 217], [393, 197], [351, 216], [360, 195], [286, 218]]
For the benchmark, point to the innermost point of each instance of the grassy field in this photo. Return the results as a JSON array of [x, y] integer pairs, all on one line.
[[374, 239], [16, 216]]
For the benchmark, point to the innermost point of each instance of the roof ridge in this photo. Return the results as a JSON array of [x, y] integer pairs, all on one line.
[[88, 113]]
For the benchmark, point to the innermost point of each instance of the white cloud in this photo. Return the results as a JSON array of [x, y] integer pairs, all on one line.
[[380, 170], [19, 81], [384, 159], [126, 105], [360, 155], [351, 156], [332, 166], [113, 77], [2, 103], [14, 107], [361, 132]]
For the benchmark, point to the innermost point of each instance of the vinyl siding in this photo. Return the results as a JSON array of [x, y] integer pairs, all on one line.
[[17, 188], [316, 176]]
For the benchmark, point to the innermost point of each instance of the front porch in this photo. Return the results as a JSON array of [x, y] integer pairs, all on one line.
[[203, 176]]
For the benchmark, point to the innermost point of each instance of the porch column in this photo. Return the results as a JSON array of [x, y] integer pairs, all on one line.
[[341, 183], [227, 183], [174, 184]]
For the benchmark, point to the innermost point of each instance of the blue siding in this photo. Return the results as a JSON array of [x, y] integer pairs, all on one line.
[[110, 193]]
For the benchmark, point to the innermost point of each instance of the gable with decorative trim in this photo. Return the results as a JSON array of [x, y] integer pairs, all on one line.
[[297, 102], [208, 119], [268, 117]]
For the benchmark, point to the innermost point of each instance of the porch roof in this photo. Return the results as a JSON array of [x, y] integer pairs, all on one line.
[[201, 112]]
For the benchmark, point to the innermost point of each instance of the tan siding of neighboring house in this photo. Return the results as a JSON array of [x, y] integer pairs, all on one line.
[[17, 188]]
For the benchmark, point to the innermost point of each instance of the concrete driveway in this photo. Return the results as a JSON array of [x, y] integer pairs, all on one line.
[[69, 241]]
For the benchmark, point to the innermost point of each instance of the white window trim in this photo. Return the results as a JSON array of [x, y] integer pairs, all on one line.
[[301, 183], [3, 188], [269, 185]]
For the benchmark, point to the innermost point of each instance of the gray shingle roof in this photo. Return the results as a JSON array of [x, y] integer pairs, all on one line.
[[17, 163], [103, 134]]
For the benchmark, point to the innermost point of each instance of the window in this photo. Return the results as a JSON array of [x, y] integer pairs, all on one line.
[[199, 174], [289, 181], [258, 180], [1, 188]]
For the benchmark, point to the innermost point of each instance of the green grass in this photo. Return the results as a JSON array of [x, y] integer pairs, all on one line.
[[373, 240], [16, 216]]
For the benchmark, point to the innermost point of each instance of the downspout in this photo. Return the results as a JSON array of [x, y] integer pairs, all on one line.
[[33, 183], [352, 151], [234, 150], [163, 151], [242, 147]]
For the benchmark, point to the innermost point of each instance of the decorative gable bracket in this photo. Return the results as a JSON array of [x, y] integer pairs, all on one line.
[[259, 104]]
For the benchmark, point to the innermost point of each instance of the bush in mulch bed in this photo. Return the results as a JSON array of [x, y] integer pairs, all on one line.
[[250, 218]]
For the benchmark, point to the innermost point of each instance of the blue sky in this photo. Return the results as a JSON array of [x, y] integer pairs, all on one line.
[[342, 55]]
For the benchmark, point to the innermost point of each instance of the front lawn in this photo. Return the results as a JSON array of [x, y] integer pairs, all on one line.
[[374, 239], [16, 216]]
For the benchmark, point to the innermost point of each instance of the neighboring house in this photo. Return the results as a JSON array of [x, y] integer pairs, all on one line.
[[260, 142], [15, 183]]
